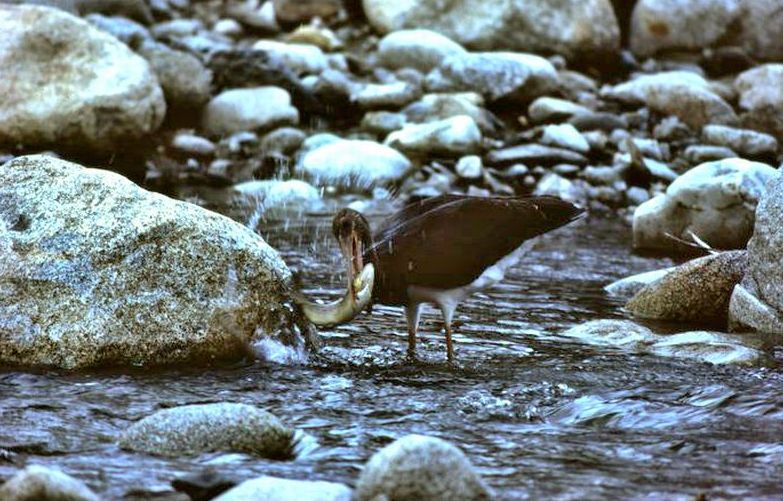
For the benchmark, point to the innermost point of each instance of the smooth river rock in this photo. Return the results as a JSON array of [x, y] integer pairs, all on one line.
[[95, 271], [715, 200], [40, 483], [420, 467], [219, 427], [451, 136], [185, 80], [72, 84], [628, 286], [757, 304], [761, 98], [420, 49], [250, 109], [697, 291], [283, 489], [568, 27], [746, 142]]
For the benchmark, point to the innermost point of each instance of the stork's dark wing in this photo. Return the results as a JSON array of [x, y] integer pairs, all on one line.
[[449, 241]]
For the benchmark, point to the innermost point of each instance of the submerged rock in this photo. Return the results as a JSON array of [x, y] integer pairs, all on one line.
[[221, 427], [715, 200], [420, 467], [568, 27], [39, 483], [283, 489], [696, 292], [72, 84], [127, 277], [620, 333]]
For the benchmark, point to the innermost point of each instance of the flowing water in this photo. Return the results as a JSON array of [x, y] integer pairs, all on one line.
[[541, 416]]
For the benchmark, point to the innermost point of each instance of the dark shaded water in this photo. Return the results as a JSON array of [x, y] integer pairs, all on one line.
[[539, 415]]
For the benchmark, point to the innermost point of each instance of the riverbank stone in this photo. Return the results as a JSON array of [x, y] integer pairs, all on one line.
[[420, 467], [127, 277], [451, 136], [283, 489], [73, 86], [41, 483], [255, 108], [217, 427], [715, 200], [417, 48]]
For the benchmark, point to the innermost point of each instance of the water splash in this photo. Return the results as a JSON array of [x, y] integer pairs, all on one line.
[[273, 351]]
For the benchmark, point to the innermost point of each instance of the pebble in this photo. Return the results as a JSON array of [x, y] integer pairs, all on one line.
[[745, 142], [565, 136], [193, 144], [247, 110], [551, 109], [451, 136], [469, 167], [303, 59], [532, 153], [700, 153]]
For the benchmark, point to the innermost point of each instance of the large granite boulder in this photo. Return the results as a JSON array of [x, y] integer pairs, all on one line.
[[754, 25], [69, 84], [757, 303], [218, 427], [715, 200], [568, 27], [761, 98], [95, 271], [683, 94]]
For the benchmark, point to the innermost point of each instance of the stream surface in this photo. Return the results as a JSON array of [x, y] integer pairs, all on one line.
[[540, 416]]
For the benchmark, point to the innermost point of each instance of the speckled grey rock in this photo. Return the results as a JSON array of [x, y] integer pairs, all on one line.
[[758, 303], [568, 27], [223, 427], [761, 98], [39, 483], [451, 136], [743, 141], [78, 87], [420, 49], [681, 93], [283, 489], [628, 286], [697, 291], [432, 107], [186, 82], [715, 200], [248, 109], [351, 163], [127, 277], [420, 467], [513, 76]]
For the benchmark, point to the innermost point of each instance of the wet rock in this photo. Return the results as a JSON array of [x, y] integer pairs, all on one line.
[[629, 286], [758, 303], [451, 136], [299, 11], [433, 107], [192, 144], [99, 94], [696, 292], [746, 142], [127, 277], [558, 186], [761, 98], [420, 49], [495, 75], [40, 483], [565, 136], [683, 24], [420, 467], [248, 109], [283, 489], [620, 333], [222, 427], [683, 94], [716, 348], [128, 32], [185, 81], [715, 200], [567, 27], [303, 59], [551, 109], [271, 194], [257, 14], [390, 95], [534, 153], [469, 167], [352, 163], [697, 154]]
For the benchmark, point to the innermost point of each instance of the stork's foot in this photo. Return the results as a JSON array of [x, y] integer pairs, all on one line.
[[449, 346], [410, 356]]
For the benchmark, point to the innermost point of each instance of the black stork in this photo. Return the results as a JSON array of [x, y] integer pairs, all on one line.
[[439, 250]]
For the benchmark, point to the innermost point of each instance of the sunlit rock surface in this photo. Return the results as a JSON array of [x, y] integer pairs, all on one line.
[[757, 304], [450, 136], [248, 109], [420, 49], [681, 93], [761, 98], [97, 271], [420, 467], [628, 286], [568, 27], [715, 200], [283, 489], [224, 427], [697, 291], [39, 483], [73, 85]]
